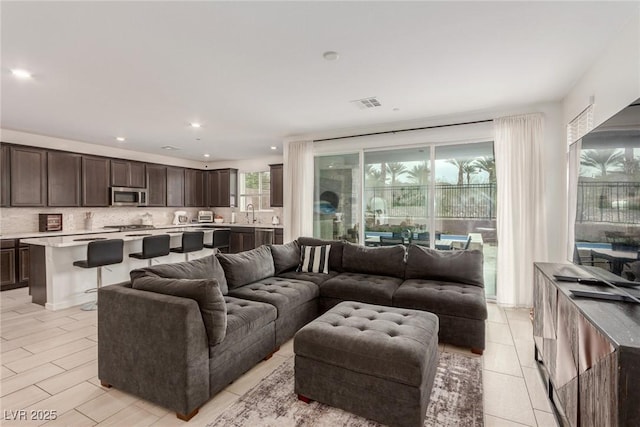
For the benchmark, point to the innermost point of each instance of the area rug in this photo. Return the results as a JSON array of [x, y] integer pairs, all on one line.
[[456, 400]]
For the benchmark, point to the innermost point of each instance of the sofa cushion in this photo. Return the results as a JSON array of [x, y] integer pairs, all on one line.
[[335, 256], [206, 292], [439, 297], [245, 317], [451, 266], [314, 259], [316, 278], [247, 267], [384, 260], [285, 257], [284, 294], [367, 288], [202, 268]]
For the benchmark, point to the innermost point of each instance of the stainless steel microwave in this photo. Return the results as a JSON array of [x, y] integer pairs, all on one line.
[[124, 196]]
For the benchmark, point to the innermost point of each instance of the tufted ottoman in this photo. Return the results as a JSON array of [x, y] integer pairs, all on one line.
[[375, 361]]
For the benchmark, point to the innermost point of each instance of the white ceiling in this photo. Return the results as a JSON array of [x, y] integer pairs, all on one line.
[[252, 72]]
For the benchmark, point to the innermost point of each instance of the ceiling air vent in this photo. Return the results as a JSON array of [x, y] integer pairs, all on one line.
[[366, 103], [169, 147]]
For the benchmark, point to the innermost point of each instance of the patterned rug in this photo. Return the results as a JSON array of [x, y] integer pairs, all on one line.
[[456, 400]]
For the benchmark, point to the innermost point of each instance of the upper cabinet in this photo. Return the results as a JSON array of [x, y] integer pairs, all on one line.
[[5, 176], [194, 186], [63, 178], [175, 186], [125, 173], [28, 176], [275, 182], [222, 188], [95, 181], [157, 179]]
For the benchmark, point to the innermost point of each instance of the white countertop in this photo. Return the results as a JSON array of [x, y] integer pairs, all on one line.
[[100, 231], [61, 239]]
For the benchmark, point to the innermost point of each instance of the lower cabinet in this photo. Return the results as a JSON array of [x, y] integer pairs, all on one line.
[[241, 239], [14, 265], [278, 236]]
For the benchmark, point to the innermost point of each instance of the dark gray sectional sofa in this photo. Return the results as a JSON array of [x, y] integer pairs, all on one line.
[[177, 334]]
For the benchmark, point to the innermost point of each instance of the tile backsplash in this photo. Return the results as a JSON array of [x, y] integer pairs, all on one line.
[[25, 220]]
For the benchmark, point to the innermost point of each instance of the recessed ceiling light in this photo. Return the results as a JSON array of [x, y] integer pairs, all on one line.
[[330, 55], [120, 139], [169, 147], [21, 74], [396, 109], [195, 125], [207, 155], [273, 147]]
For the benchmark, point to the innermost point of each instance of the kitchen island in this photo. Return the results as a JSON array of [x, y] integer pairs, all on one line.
[[57, 284]]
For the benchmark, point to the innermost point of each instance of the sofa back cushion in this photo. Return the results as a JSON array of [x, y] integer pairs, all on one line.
[[203, 268], [247, 267], [382, 261], [206, 292], [335, 254], [285, 257], [451, 266]]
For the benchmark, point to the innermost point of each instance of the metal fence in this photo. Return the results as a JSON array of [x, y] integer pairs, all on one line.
[[452, 201], [616, 202]]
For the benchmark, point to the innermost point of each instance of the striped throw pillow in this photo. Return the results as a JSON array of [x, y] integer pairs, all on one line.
[[314, 259]]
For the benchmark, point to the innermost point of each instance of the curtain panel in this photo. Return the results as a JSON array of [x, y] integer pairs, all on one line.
[[298, 189], [521, 225]]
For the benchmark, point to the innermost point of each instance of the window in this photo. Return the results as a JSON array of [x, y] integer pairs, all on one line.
[[254, 189]]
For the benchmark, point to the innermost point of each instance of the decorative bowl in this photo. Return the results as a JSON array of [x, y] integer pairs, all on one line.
[[218, 220]]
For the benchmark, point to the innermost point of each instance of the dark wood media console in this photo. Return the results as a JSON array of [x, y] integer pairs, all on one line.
[[588, 351]]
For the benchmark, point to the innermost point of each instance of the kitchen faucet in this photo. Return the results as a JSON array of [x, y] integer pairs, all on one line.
[[253, 213]]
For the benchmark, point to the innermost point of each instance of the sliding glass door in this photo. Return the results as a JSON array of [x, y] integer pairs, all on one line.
[[438, 196]]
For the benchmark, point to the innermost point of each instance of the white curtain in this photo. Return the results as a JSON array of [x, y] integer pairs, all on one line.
[[522, 231], [573, 172], [298, 189]]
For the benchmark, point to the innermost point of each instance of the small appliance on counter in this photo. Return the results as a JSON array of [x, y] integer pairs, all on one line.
[[275, 220], [147, 219], [50, 222], [205, 216], [180, 218]]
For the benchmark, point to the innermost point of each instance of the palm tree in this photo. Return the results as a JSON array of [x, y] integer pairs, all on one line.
[[373, 175], [487, 164], [419, 174], [469, 168], [460, 164], [603, 160], [396, 169]]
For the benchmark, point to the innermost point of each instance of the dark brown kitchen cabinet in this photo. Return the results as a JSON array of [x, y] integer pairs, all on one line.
[[125, 173], [64, 172], [96, 172], [241, 239], [5, 176], [222, 188], [276, 183], [175, 186], [157, 185], [14, 264], [194, 186], [278, 236], [28, 176]]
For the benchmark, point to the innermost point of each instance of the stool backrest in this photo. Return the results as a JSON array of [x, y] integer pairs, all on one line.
[[192, 241], [104, 252], [221, 238], [154, 246]]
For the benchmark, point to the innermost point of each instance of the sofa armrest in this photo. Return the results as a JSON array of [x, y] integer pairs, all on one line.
[[153, 346]]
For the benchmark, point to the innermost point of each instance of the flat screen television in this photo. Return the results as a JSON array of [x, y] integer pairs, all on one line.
[[607, 195]]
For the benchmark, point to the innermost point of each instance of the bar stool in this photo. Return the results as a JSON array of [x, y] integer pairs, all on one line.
[[99, 254], [153, 247], [192, 241], [220, 240]]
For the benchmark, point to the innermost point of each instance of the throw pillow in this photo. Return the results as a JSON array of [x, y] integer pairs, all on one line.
[[335, 258], [202, 268], [314, 259], [206, 292], [285, 257], [247, 267], [380, 261]]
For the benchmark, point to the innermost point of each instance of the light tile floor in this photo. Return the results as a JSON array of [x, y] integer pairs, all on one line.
[[49, 362]]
